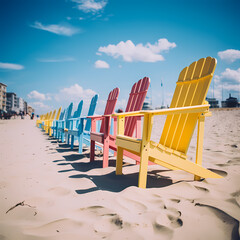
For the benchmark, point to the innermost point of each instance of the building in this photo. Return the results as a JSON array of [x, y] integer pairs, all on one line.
[[25, 107], [3, 97], [20, 104], [213, 102], [12, 102], [230, 102], [147, 105]]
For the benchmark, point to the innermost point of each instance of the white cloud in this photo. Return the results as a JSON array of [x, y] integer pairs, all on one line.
[[64, 97], [230, 55], [57, 29], [66, 59], [138, 53], [101, 64], [74, 94], [77, 90], [229, 76], [37, 95], [11, 66], [40, 107], [90, 5], [227, 82]]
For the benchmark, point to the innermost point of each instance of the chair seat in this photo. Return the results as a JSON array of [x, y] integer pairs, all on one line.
[[73, 132], [98, 137], [129, 143]]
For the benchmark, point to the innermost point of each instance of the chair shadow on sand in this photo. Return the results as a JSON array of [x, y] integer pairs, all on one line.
[[110, 181], [113, 183]]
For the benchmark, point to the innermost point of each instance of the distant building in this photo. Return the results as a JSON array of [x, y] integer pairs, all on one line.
[[25, 107], [230, 102], [3, 97], [20, 104], [223, 104], [147, 105], [213, 102], [11, 101]]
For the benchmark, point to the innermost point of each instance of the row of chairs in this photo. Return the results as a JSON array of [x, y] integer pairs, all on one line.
[[121, 132]]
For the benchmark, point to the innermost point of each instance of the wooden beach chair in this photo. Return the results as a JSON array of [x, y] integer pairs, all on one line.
[[82, 129], [52, 121], [73, 121], [103, 136], [44, 123], [135, 103], [56, 122], [47, 123], [62, 123], [188, 108], [39, 121]]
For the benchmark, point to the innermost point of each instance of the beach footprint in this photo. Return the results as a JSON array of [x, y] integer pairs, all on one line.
[[103, 220]]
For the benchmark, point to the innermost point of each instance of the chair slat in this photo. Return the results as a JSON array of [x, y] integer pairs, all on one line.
[[137, 97], [110, 105]]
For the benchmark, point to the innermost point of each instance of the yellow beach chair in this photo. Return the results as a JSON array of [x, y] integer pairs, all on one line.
[[50, 119], [50, 122], [39, 120], [44, 124], [187, 108]]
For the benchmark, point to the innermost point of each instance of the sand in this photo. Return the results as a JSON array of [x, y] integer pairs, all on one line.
[[48, 191]]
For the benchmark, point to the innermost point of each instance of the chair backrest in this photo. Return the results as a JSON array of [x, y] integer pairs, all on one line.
[[69, 111], [62, 114], [191, 90], [110, 105], [91, 112], [135, 103], [49, 116], [78, 112], [53, 115], [58, 113], [45, 116]]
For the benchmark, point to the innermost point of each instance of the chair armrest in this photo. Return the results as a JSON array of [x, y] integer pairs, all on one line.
[[190, 109], [96, 117], [128, 114], [72, 119]]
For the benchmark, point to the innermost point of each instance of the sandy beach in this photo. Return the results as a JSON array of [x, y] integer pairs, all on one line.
[[48, 191]]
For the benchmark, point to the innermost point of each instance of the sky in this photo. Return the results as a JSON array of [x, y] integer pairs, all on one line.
[[53, 52]]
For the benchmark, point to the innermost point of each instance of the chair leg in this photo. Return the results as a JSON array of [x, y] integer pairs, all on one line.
[[199, 149], [72, 141], [80, 140], [147, 129], [105, 154], [92, 151], [62, 137], [142, 178], [119, 162]]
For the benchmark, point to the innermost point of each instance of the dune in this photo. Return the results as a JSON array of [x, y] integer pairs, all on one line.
[[48, 191]]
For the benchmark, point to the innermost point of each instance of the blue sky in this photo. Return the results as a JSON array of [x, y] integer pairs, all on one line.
[[53, 52]]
